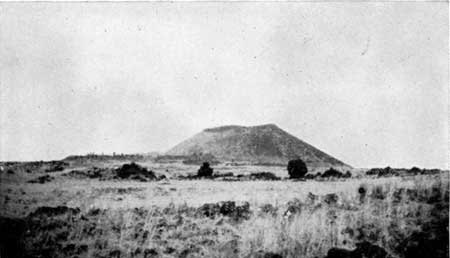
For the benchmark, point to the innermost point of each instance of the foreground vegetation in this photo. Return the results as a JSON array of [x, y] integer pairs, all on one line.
[[79, 217]]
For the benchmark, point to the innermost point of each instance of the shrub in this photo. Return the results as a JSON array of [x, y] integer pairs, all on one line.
[[297, 168], [133, 169], [263, 176], [331, 172], [205, 170]]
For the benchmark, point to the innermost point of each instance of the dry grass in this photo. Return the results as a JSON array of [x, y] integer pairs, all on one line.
[[161, 219]]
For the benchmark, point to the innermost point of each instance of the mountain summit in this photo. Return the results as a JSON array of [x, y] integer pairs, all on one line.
[[262, 144]]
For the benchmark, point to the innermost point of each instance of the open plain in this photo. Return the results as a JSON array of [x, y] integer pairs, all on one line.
[[71, 214]]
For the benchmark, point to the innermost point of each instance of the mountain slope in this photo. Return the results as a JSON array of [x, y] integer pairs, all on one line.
[[255, 144]]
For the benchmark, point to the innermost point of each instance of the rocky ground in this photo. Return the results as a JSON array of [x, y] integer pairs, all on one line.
[[97, 213]]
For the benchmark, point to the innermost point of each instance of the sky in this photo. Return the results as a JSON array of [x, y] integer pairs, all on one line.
[[365, 82]]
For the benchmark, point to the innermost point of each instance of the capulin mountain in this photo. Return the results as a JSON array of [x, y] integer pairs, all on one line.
[[263, 144]]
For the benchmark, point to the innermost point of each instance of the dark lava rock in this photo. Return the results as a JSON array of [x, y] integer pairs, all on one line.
[[227, 208], [293, 207], [397, 195], [268, 209], [41, 179], [209, 209], [363, 250], [341, 253], [55, 166], [435, 196], [368, 250], [150, 253], [311, 198], [331, 199], [91, 173], [53, 211], [262, 254], [11, 235], [426, 244], [378, 193]]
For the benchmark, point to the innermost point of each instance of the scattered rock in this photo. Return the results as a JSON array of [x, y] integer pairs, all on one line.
[[226, 208], [41, 179], [398, 195], [268, 209], [91, 173], [330, 199], [312, 198], [368, 250], [293, 207], [230, 248], [53, 211], [150, 253], [427, 244], [263, 254], [378, 193], [341, 253], [363, 250]]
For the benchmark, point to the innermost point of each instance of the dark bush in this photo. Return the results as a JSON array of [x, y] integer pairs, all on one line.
[[205, 170], [382, 172], [310, 176], [331, 172], [133, 169], [41, 179], [55, 166], [297, 168], [263, 176]]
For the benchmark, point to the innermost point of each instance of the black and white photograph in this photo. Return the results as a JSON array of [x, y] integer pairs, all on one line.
[[224, 129]]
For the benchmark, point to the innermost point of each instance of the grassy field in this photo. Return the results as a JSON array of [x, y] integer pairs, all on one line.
[[68, 217]]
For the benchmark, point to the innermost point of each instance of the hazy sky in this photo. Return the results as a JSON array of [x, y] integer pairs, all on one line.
[[366, 83]]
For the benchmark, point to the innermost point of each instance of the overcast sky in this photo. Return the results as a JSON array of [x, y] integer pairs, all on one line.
[[366, 83]]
